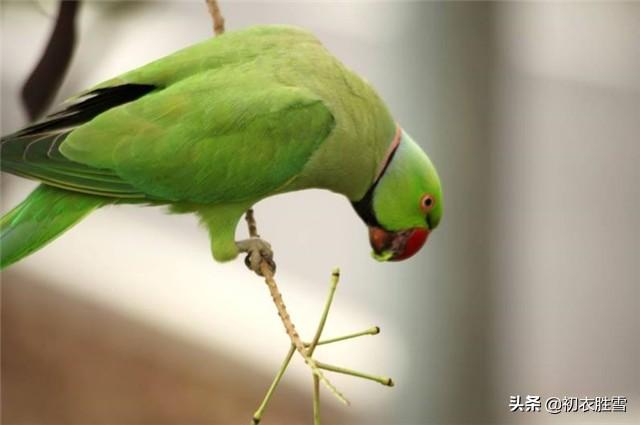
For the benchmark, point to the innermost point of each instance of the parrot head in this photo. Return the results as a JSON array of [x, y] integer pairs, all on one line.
[[404, 203]]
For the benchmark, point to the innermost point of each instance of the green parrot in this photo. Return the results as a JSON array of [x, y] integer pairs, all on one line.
[[216, 127]]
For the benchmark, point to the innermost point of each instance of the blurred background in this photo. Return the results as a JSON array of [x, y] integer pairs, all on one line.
[[530, 111]]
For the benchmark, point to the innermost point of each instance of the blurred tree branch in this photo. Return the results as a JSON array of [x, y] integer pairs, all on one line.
[[46, 78]]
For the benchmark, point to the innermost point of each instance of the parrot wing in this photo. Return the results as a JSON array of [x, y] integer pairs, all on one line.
[[34, 151], [201, 125], [229, 134]]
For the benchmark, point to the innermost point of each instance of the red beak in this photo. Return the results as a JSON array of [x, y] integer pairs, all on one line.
[[397, 246]]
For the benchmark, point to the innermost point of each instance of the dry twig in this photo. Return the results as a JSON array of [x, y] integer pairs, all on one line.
[[216, 16], [267, 271]]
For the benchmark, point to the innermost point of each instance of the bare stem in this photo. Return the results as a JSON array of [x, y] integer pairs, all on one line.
[[216, 16], [335, 278], [267, 271], [371, 331], [293, 334], [251, 223], [257, 416], [316, 400], [380, 379]]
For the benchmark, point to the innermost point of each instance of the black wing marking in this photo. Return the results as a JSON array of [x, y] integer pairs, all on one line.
[[34, 152]]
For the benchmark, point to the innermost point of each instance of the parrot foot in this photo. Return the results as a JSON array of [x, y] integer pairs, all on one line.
[[258, 251]]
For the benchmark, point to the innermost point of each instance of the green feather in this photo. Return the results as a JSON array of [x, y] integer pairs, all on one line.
[[409, 176], [44, 215], [212, 138], [211, 129]]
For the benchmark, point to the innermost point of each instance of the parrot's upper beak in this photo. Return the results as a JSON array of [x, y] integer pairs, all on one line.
[[396, 246]]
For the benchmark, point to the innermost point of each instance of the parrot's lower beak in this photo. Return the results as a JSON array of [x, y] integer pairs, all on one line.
[[396, 246]]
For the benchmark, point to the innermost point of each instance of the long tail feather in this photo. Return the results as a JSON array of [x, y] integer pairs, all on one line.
[[44, 215]]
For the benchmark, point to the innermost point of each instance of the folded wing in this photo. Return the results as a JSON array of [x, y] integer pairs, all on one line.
[[219, 136]]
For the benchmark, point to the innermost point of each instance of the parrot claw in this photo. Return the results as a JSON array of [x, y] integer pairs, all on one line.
[[258, 250]]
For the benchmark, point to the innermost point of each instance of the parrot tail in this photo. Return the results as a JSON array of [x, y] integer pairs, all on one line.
[[45, 214]]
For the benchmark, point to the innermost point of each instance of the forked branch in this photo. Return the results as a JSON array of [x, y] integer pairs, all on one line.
[[267, 271]]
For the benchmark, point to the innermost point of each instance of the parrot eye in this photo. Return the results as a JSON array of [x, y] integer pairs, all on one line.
[[426, 203]]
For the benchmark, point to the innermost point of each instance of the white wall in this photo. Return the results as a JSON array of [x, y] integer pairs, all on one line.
[[567, 233]]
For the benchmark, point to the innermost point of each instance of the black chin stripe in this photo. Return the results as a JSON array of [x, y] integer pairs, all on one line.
[[364, 207]]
